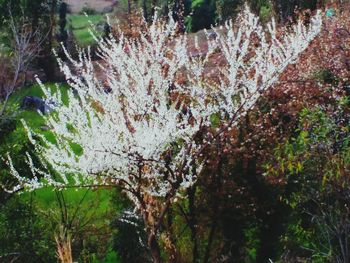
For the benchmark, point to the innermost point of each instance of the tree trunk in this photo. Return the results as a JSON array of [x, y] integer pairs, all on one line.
[[64, 248], [216, 184], [193, 222], [47, 60], [129, 13], [154, 247], [172, 250]]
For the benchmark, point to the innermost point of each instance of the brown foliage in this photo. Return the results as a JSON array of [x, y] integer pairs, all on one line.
[[233, 188]]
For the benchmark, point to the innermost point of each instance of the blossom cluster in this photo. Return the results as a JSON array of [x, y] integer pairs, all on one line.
[[139, 128]]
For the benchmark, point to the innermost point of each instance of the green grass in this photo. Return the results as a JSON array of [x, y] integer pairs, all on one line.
[[80, 24], [32, 117], [96, 203], [84, 37], [82, 21]]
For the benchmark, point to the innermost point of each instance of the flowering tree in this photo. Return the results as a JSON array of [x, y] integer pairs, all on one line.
[[143, 129]]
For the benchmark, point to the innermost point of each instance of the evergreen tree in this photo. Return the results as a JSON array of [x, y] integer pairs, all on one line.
[[62, 35]]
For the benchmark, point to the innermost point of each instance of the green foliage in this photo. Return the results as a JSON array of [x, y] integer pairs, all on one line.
[[111, 257], [252, 237], [29, 222], [304, 239], [257, 5], [314, 165], [22, 7], [309, 4], [266, 12], [226, 9], [325, 76], [215, 120], [203, 15], [21, 231]]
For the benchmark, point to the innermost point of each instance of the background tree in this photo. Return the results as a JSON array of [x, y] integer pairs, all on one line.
[[26, 44], [40, 15], [62, 34]]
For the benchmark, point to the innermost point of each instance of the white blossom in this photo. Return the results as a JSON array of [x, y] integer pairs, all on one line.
[[139, 130]]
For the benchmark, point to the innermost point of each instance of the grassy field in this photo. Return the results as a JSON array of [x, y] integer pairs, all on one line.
[[81, 21], [33, 118], [80, 25]]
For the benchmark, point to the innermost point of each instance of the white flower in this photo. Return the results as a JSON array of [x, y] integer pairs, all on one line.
[[137, 134]]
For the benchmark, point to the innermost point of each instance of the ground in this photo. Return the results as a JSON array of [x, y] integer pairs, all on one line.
[[76, 6]]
